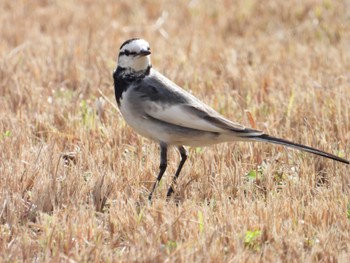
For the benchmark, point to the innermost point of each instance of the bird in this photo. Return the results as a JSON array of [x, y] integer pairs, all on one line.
[[158, 109]]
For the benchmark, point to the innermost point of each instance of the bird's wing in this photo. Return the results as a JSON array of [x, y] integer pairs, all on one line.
[[169, 103], [186, 116], [200, 118]]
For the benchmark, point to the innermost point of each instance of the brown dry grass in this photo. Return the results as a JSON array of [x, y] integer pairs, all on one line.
[[75, 178]]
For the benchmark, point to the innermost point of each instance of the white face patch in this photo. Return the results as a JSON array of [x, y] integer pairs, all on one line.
[[134, 63], [129, 58]]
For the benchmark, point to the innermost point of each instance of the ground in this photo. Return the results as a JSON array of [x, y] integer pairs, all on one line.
[[75, 178]]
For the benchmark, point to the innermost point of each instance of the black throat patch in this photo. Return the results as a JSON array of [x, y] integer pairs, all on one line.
[[124, 77]]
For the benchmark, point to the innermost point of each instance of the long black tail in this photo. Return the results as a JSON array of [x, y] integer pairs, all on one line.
[[267, 138]]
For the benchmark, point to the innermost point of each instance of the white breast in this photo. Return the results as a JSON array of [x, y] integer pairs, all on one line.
[[136, 118]]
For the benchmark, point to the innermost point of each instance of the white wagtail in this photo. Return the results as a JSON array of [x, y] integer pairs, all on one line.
[[160, 110]]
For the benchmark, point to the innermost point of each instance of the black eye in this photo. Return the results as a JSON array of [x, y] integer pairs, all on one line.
[[126, 52]]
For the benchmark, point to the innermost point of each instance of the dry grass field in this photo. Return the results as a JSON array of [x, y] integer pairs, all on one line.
[[75, 178]]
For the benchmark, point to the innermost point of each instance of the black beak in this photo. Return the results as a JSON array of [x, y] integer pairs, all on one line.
[[144, 53]]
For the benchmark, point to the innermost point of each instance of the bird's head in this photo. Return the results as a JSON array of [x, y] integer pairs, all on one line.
[[134, 55]]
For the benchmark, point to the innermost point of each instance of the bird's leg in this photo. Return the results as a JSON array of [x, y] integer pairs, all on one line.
[[162, 167], [184, 155]]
